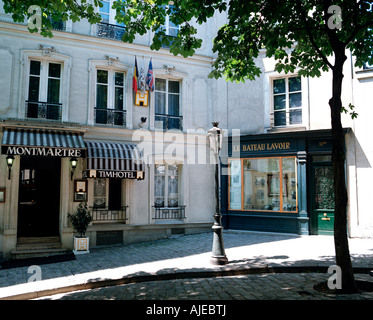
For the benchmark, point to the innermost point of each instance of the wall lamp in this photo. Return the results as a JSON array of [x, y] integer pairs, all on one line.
[[9, 162], [74, 163]]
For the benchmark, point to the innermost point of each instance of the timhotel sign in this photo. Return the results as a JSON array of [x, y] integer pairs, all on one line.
[[93, 173], [42, 151]]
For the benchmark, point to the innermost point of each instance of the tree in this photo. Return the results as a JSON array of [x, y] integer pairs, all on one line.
[[309, 36]]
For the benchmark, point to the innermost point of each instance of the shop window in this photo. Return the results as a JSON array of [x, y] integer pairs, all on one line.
[[287, 101], [107, 194], [166, 186], [167, 104], [263, 184], [110, 107], [44, 90]]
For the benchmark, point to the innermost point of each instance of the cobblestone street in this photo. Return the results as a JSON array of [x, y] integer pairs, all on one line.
[[284, 286], [261, 266]]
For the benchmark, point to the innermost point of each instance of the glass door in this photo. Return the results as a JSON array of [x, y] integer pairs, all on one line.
[[322, 214]]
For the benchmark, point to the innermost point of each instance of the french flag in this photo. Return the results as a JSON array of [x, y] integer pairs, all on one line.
[[150, 77]]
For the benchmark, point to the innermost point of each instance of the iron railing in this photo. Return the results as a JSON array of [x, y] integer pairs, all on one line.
[[110, 117], [106, 214], [112, 31], [167, 122], [286, 118], [169, 212], [43, 110]]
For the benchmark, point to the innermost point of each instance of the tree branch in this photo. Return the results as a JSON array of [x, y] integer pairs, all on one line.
[[312, 40]]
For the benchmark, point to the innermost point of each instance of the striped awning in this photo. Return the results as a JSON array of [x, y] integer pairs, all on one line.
[[113, 156], [42, 142]]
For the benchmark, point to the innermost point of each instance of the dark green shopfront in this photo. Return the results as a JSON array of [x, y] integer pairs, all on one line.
[[279, 182]]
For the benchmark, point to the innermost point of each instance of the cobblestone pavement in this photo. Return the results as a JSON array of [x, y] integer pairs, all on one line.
[[284, 286], [187, 257]]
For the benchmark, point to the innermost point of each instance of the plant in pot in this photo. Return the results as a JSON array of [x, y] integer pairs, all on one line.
[[80, 221]]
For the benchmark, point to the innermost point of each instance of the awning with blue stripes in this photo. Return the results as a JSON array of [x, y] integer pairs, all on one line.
[[113, 156], [42, 142]]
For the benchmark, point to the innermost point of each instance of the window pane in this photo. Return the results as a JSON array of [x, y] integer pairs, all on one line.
[[235, 185], [35, 67], [324, 190], [289, 185], [296, 116], [160, 169], [53, 91], [104, 18], [102, 76], [33, 90], [119, 79], [279, 102], [172, 186], [54, 70], [160, 84], [172, 170], [174, 86], [173, 105], [99, 196], [119, 98], [160, 102], [295, 84], [159, 195], [101, 100], [261, 184], [106, 6], [280, 118], [295, 100], [279, 86], [173, 32]]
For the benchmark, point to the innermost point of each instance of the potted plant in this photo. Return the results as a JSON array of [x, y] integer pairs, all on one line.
[[80, 221]]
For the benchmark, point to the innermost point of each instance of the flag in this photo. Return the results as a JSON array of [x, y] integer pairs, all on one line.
[[135, 76], [150, 77]]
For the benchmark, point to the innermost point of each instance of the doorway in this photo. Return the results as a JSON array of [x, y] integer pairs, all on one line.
[[322, 196], [39, 197]]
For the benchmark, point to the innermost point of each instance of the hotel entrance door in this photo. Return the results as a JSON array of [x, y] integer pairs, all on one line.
[[39, 197]]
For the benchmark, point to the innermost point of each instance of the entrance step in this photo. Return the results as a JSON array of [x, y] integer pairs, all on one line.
[[32, 247]]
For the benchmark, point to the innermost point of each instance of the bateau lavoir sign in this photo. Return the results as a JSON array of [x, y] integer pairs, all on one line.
[[42, 151]]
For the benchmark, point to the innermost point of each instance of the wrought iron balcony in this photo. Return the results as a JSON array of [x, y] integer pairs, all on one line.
[[110, 117], [169, 212], [112, 31], [108, 215], [167, 122], [43, 110]]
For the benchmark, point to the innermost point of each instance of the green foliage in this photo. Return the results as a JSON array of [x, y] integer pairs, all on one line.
[[81, 219], [58, 10], [295, 33], [352, 113]]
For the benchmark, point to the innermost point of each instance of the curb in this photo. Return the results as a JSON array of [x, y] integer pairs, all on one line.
[[182, 274]]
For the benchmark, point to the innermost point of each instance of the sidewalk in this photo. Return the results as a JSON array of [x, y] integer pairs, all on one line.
[[182, 257]]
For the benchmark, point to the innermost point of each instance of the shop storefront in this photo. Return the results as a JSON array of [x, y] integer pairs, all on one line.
[[280, 182], [37, 182]]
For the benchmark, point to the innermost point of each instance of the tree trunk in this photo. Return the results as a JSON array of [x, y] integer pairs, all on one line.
[[342, 252]]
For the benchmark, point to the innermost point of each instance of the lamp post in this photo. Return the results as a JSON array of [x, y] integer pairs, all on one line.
[[218, 257]]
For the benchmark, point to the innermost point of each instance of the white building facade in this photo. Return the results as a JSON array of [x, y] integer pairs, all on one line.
[[144, 168]]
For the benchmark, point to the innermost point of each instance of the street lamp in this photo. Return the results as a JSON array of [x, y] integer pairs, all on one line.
[[218, 257], [74, 163], [9, 162]]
